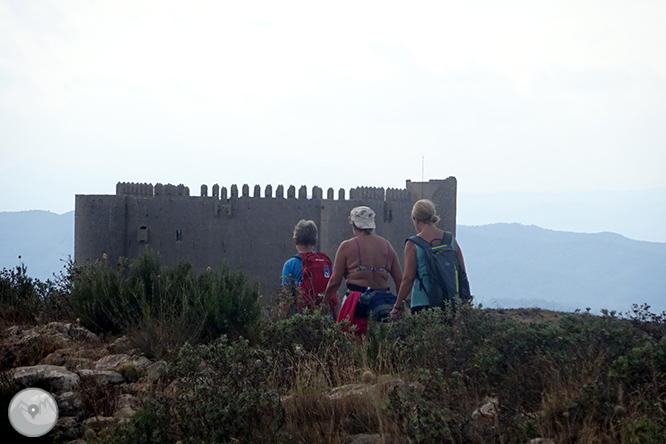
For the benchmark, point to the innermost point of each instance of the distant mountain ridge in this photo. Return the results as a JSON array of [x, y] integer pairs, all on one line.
[[638, 215], [510, 265], [43, 240], [513, 265]]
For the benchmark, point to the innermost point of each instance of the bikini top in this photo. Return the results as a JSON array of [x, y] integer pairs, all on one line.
[[362, 267]]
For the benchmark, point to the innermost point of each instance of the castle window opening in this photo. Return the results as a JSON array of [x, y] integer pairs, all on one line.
[[179, 235], [142, 234]]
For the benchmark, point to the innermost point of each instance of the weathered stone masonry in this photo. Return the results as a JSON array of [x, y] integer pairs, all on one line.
[[252, 230]]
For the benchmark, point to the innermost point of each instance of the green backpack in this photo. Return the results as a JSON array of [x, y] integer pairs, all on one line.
[[447, 280]]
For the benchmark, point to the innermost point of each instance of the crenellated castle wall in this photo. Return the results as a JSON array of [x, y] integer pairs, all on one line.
[[245, 228]]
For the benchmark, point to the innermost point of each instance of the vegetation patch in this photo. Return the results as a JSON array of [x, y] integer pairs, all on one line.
[[233, 374]]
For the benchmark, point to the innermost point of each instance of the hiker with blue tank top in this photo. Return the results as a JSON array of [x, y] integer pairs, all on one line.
[[306, 274], [366, 261], [416, 279]]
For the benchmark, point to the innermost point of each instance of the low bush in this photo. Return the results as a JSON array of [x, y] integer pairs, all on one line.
[[163, 307], [310, 348], [20, 296], [439, 412], [220, 395]]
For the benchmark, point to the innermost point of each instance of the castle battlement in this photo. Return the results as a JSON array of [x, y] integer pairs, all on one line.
[[239, 225], [373, 193]]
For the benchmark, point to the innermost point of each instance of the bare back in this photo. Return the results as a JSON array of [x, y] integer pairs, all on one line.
[[367, 261]]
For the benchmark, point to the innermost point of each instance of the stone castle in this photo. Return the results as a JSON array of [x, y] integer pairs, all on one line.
[[252, 231]]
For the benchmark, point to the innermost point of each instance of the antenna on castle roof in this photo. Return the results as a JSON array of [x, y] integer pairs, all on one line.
[[422, 176]]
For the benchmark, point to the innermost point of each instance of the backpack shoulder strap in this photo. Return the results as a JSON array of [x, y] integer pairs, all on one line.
[[448, 238], [425, 245], [420, 242]]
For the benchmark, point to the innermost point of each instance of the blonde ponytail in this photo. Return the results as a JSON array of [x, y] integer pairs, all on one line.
[[424, 210]]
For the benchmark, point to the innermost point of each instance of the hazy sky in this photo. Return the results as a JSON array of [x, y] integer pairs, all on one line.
[[537, 96]]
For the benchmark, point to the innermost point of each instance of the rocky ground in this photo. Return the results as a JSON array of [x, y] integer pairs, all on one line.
[[99, 383]]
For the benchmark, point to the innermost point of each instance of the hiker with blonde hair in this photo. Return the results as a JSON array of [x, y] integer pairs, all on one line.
[[416, 278]]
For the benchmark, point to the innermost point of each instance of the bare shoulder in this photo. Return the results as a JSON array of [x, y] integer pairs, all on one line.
[[432, 234], [346, 245], [382, 240]]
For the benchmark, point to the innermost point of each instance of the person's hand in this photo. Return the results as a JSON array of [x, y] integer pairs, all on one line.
[[397, 311]]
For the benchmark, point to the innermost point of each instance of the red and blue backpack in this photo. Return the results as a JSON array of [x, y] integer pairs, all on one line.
[[317, 270]]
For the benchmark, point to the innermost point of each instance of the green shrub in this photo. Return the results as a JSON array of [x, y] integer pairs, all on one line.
[[440, 412], [643, 364], [583, 368], [310, 345], [163, 307], [651, 324], [645, 430], [151, 424], [20, 295], [451, 340], [232, 400], [221, 396], [95, 291]]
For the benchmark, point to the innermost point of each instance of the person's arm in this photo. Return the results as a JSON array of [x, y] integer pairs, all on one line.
[[335, 281], [287, 297], [407, 280], [465, 292], [396, 269], [461, 261], [289, 282]]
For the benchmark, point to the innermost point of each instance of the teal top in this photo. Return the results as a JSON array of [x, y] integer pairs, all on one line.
[[419, 297]]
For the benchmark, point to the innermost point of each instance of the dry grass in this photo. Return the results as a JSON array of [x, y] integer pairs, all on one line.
[[528, 314]]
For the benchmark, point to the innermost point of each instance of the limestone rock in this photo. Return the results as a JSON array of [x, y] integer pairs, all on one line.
[[122, 345], [365, 438], [362, 389], [124, 413], [69, 358], [102, 377], [126, 407], [58, 379], [487, 417], [156, 370], [66, 429], [349, 390], [73, 331], [116, 362], [69, 404], [26, 347], [488, 411]]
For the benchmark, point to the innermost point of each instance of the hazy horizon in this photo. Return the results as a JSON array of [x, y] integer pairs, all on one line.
[[568, 97]]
